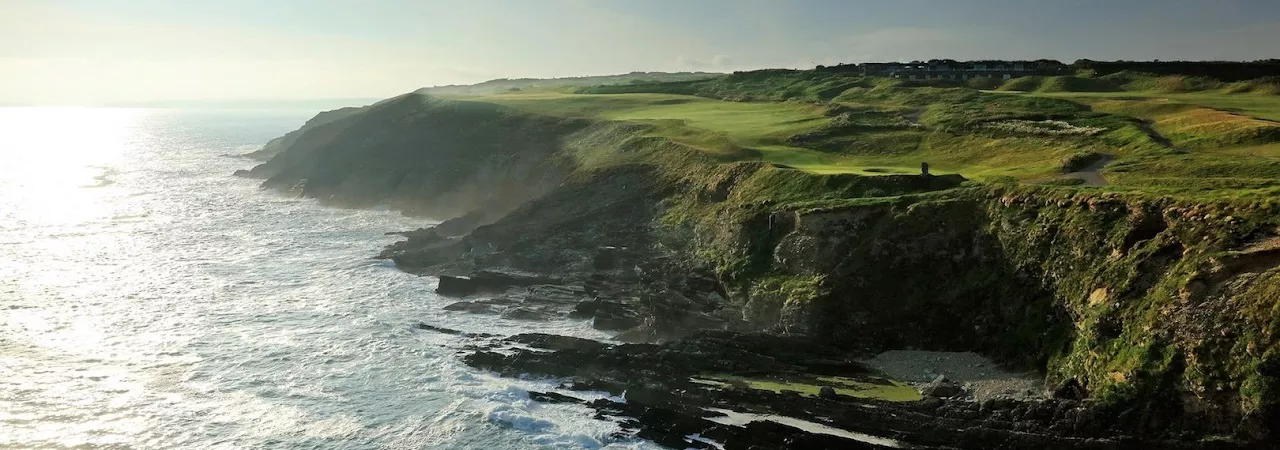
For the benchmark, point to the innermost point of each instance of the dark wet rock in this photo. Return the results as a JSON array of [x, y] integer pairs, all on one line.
[[671, 324], [558, 294], [1070, 390], [456, 286], [424, 326], [827, 392], [521, 313], [941, 387], [585, 310], [504, 278], [553, 397], [556, 342], [609, 316], [615, 320], [771, 435], [470, 307], [663, 403], [425, 247], [931, 403], [610, 257], [443, 330]]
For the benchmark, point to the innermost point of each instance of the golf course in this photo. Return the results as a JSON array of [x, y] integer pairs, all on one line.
[[1169, 134]]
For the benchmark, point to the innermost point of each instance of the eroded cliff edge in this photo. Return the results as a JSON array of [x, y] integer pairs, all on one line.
[[1159, 313]]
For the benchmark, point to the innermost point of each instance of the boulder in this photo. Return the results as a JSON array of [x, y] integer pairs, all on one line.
[[614, 317], [1070, 390], [553, 397], [549, 293], [470, 307], [941, 387], [522, 313], [456, 286], [556, 342], [585, 310], [827, 392], [503, 278], [608, 258], [429, 327]]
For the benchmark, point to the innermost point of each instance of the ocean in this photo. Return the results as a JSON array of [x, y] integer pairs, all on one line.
[[149, 299]]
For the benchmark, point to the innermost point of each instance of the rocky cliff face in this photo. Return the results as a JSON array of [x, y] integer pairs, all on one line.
[[1158, 311], [1160, 308], [277, 145], [425, 156]]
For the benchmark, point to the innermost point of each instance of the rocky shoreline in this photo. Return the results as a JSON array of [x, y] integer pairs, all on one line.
[[684, 372], [770, 292]]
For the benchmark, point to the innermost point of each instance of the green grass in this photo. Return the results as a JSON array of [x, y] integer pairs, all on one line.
[[760, 130], [837, 122], [1179, 150], [878, 389], [733, 130], [1261, 106]]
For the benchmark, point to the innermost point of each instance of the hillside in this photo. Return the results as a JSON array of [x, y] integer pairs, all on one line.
[[790, 203], [517, 84]]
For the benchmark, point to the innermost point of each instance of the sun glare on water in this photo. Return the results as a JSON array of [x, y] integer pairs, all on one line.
[[51, 155]]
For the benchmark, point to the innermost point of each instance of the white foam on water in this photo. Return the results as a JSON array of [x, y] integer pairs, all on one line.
[[698, 438], [736, 418], [181, 307]]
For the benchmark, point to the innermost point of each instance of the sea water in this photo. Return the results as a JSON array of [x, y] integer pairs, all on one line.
[[148, 299]]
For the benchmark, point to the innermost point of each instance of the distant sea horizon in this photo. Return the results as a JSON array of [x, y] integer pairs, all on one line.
[[316, 103]]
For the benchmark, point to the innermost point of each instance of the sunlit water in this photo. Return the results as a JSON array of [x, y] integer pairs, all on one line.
[[150, 300]]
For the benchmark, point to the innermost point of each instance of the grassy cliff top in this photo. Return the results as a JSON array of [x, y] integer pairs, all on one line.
[[1165, 134]]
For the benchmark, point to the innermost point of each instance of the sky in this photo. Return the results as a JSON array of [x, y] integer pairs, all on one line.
[[105, 51]]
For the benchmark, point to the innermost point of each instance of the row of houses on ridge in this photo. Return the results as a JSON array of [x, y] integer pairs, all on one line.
[[948, 69]]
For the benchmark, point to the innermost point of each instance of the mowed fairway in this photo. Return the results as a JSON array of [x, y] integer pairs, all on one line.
[[1201, 140], [728, 129], [1262, 106]]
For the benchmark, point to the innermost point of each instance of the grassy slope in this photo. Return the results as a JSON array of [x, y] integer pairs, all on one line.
[[728, 130], [1123, 344], [875, 133], [1220, 137], [1146, 312], [891, 126]]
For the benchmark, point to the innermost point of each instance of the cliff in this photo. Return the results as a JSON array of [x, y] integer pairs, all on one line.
[[423, 155], [1155, 310]]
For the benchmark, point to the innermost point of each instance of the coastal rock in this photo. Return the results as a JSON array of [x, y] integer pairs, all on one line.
[[556, 342], [663, 403], [437, 329], [522, 313], [470, 307], [614, 317], [605, 315], [500, 278], [557, 294], [941, 387], [456, 286], [1070, 390]]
